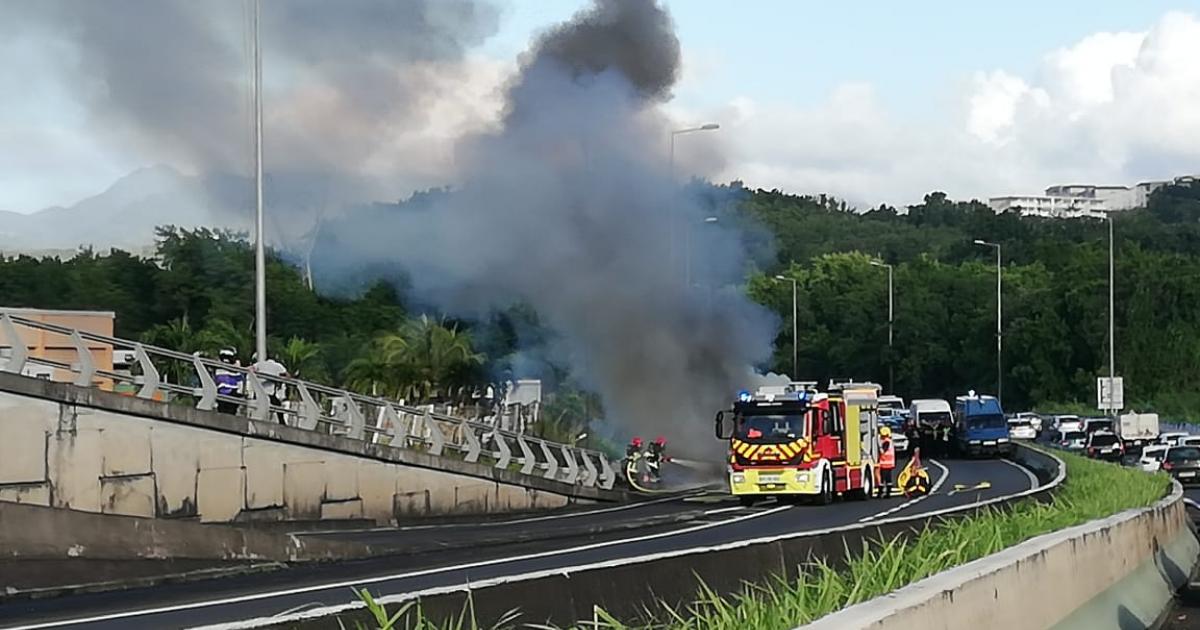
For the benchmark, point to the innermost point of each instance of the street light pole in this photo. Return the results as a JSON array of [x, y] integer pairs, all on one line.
[[891, 320], [687, 249], [671, 169], [260, 273], [999, 324], [795, 328], [1112, 335]]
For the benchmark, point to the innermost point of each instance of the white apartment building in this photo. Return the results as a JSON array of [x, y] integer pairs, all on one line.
[[1083, 200]]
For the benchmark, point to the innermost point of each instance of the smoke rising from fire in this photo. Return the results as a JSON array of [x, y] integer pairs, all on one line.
[[567, 208]]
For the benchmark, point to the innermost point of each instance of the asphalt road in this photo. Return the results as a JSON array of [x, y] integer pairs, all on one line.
[[442, 556]]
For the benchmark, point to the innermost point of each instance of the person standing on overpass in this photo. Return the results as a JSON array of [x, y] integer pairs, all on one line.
[[887, 461], [230, 383], [272, 368]]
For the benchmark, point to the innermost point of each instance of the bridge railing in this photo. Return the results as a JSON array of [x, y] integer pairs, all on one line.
[[177, 377]]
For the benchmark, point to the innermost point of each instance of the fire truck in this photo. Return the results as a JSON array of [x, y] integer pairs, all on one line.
[[797, 442]]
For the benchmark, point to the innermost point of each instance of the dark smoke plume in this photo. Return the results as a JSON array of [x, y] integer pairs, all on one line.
[[169, 80], [566, 208]]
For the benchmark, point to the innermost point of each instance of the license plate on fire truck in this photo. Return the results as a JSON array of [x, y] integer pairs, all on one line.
[[770, 479]]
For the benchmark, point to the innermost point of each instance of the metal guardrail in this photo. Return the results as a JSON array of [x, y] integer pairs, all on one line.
[[320, 408]]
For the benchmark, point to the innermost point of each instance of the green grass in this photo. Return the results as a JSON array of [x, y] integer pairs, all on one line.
[[1092, 490]]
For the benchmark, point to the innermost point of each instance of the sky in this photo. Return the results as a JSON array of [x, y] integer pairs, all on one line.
[[873, 102]]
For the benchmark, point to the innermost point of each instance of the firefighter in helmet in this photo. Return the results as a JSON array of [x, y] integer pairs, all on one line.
[[656, 454], [887, 461]]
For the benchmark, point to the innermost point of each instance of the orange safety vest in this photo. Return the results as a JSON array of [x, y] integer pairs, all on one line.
[[887, 455]]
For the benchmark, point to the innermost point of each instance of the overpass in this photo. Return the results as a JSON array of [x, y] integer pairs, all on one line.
[[164, 451]]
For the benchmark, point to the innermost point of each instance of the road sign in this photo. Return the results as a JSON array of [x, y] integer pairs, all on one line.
[[1110, 393]]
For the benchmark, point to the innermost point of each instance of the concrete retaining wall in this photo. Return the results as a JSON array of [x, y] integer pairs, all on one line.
[[33, 532], [1117, 572], [84, 449]]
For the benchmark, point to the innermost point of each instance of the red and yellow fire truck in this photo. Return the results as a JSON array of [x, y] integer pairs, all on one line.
[[796, 441]]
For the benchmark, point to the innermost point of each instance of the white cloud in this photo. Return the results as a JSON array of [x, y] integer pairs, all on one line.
[[1110, 108]]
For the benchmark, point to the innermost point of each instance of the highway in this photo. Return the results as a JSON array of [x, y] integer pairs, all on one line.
[[428, 557]]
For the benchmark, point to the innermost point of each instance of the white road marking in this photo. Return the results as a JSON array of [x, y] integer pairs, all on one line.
[[735, 508], [517, 521], [514, 578], [911, 502], [567, 571], [1033, 482], [385, 578]]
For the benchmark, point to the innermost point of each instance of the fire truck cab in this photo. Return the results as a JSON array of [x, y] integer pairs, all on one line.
[[801, 442]]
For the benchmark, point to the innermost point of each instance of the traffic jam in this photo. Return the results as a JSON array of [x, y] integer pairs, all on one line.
[[796, 442], [851, 441], [1129, 439]]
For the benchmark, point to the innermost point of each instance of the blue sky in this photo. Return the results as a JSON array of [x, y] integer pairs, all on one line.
[[798, 51]]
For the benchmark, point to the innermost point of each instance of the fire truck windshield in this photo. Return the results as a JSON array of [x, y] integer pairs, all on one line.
[[770, 427]]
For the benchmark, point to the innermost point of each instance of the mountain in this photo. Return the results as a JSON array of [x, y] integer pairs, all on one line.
[[123, 216]]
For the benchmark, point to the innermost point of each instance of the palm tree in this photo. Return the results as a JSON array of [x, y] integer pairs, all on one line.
[[442, 359], [177, 335], [302, 358]]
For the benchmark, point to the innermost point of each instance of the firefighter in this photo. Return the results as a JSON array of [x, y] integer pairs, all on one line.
[[656, 454], [633, 453], [887, 461]]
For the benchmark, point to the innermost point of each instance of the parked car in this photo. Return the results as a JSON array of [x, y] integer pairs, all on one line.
[[1021, 429], [1183, 463], [1152, 456], [1065, 423], [1032, 418], [1072, 440], [1105, 445], [1171, 438]]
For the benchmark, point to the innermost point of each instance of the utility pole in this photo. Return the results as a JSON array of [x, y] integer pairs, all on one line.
[[999, 325], [260, 258], [795, 328], [1112, 334], [674, 192], [891, 320]]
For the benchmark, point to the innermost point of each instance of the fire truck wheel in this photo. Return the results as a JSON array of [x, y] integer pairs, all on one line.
[[868, 486], [826, 496], [746, 501]]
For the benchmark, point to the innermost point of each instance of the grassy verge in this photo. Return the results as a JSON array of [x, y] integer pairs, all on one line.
[[1092, 490]]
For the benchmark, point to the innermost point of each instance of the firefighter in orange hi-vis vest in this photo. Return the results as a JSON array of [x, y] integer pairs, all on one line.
[[887, 461]]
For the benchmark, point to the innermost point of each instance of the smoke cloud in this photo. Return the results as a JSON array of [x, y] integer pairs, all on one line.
[[570, 208], [344, 82]]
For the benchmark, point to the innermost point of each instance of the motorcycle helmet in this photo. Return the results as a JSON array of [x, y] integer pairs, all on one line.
[[227, 355]]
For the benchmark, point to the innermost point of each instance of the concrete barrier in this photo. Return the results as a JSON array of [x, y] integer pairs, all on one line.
[[40, 533], [627, 587], [85, 449], [1117, 572]]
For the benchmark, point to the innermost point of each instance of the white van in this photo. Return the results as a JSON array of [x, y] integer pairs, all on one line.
[[931, 412]]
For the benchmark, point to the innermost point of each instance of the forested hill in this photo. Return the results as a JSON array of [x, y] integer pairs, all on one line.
[[198, 293], [1055, 296]]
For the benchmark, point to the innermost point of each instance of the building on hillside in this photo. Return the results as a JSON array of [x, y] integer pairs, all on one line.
[[1052, 206], [59, 348], [1083, 200]]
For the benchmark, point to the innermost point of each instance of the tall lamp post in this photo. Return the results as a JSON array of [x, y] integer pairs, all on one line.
[[795, 328], [671, 166], [687, 248], [1112, 334], [999, 325], [891, 312], [260, 258]]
